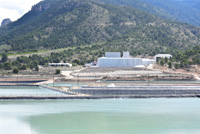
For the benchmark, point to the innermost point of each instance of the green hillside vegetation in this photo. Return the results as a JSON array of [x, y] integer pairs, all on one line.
[[76, 56], [182, 59], [74, 23], [82, 55], [190, 57]]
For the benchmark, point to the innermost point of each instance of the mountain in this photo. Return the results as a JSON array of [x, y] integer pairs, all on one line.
[[53, 24], [187, 11]]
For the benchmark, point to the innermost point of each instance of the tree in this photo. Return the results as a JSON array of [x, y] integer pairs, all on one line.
[[166, 59], [36, 68], [23, 67], [177, 66], [76, 61], [56, 60], [57, 71], [170, 58], [157, 60], [170, 64], [15, 71], [4, 58], [162, 62], [7, 66]]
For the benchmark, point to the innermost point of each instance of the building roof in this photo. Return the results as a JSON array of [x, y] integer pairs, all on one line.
[[148, 59], [121, 58], [163, 55]]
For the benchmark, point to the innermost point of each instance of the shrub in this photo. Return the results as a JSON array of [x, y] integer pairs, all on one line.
[[23, 67], [177, 66], [4, 58], [7, 66], [36, 68], [170, 64], [15, 71], [57, 71]]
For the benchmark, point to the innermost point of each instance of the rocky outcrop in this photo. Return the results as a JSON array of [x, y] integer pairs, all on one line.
[[5, 22], [40, 7]]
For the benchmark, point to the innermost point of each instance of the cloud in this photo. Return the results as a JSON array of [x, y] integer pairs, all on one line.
[[14, 9]]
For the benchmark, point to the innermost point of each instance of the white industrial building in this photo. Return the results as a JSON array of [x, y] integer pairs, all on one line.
[[114, 59]]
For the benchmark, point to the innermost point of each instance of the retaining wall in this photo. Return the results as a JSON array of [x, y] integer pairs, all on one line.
[[171, 90]]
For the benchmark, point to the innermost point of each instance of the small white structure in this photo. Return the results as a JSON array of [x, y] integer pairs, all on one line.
[[163, 56], [111, 85], [140, 66], [60, 64]]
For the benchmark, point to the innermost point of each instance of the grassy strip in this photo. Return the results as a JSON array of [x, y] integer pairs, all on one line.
[[50, 51]]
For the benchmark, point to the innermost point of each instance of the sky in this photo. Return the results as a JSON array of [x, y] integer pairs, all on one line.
[[14, 9]]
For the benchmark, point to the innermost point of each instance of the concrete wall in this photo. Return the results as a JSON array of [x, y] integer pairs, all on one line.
[[137, 92]]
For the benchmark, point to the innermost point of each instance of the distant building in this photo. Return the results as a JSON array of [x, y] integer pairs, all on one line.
[[114, 59], [159, 56], [60, 64]]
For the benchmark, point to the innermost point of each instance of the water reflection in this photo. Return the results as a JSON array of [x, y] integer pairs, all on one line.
[[12, 125]]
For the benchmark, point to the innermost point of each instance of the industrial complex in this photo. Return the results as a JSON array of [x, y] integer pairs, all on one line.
[[114, 59]]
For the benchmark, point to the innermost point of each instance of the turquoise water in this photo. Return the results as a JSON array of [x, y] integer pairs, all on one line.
[[115, 116], [29, 90], [167, 82]]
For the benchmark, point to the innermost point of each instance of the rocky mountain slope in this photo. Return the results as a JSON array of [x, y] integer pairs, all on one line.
[[187, 11]]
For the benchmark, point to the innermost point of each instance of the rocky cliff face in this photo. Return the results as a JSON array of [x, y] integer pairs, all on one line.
[[5, 22], [40, 7]]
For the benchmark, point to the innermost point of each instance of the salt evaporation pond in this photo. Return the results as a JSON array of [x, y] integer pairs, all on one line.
[[27, 90], [114, 116], [65, 84]]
